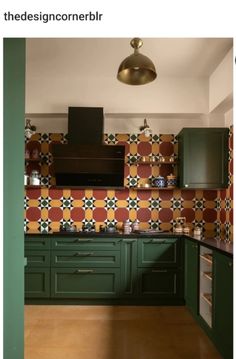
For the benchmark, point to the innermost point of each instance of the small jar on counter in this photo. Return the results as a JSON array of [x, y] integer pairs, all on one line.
[[34, 178], [135, 226]]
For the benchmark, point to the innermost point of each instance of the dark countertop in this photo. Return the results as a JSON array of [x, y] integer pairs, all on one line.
[[208, 239]]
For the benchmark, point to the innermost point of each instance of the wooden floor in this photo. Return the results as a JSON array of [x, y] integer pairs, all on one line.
[[114, 332]]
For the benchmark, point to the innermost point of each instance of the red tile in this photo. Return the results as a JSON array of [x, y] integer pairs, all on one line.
[[121, 214], [55, 193], [166, 148], [209, 215], [143, 214], [223, 194], [99, 194], [189, 213], [144, 171], [33, 193], [77, 194], [33, 214], [231, 216], [210, 195], [143, 195], [77, 214], [165, 214], [121, 195], [144, 148], [188, 195], [222, 215], [99, 214], [55, 214], [165, 195]]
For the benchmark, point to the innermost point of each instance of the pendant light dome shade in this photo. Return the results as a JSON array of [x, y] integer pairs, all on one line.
[[136, 69]]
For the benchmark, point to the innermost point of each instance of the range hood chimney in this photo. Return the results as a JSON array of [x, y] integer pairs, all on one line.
[[85, 125], [87, 162]]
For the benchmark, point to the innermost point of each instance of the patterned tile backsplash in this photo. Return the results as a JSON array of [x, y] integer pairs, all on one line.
[[47, 208]]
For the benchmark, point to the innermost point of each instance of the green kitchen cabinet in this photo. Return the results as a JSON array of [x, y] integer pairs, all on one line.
[[37, 270], [83, 258], [85, 243], [37, 282], [159, 252], [85, 282], [37, 242], [160, 268], [160, 283], [223, 304], [129, 267], [203, 158], [85, 268], [191, 275]]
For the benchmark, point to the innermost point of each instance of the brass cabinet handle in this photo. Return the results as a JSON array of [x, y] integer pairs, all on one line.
[[83, 240], [158, 241], [84, 271], [83, 254], [230, 264], [159, 270]]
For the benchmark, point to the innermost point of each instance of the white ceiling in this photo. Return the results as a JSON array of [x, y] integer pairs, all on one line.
[[191, 57]]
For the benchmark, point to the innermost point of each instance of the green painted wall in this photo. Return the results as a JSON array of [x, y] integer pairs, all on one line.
[[13, 197]]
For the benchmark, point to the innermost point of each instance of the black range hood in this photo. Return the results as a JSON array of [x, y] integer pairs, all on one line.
[[85, 161]]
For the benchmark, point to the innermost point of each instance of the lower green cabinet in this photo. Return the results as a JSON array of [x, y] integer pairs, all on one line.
[[128, 267], [223, 304], [159, 283], [85, 283], [37, 282], [191, 275]]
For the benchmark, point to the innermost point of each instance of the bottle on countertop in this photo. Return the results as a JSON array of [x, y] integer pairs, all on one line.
[[135, 226], [127, 227]]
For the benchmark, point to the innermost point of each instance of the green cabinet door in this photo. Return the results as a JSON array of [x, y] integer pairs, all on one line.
[[37, 242], [191, 275], [85, 282], [159, 283], [159, 252], [37, 282], [203, 158], [223, 304], [128, 267]]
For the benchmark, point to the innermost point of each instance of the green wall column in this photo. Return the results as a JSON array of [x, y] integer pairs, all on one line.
[[13, 197]]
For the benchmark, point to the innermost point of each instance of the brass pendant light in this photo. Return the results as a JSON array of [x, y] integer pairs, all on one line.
[[136, 69]]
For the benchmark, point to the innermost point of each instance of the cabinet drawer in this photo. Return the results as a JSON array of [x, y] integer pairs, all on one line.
[[160, 283], [37, 258], [159, 252], [37, 282], [88, 244], [85, 283], [85, 258], [37, 242]]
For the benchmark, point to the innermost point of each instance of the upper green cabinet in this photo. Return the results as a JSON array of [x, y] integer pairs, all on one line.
[[203, 158]]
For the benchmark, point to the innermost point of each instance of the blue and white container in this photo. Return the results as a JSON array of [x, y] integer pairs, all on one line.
[[159, 182]]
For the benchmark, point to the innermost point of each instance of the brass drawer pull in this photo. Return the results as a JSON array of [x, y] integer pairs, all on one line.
[[79, 240], [159, 270], [158, 241], [230, 264], [84, 271], [83, 254]]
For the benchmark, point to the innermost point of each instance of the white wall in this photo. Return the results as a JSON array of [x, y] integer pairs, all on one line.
[[124, 123], [221, 83], [229, 118]]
